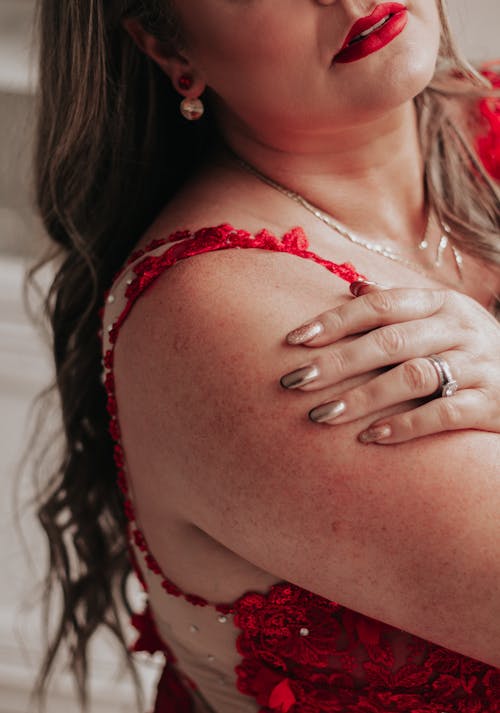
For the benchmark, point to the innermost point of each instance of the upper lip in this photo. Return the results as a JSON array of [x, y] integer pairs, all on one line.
[[364, 23]]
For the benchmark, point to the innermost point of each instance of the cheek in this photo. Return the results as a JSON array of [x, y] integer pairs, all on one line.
[[273, 72], [251, 40], [254, 49]]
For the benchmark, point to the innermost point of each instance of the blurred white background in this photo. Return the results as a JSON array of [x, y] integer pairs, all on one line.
[[24, 361]]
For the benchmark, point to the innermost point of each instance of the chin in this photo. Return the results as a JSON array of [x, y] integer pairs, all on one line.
[[397, 72], [413, 64], [398, 80], [406, 79]]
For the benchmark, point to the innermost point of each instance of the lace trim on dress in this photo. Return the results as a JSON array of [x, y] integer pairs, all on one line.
[[147, 270]]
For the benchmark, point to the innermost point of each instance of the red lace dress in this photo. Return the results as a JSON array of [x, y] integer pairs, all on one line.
[[286, 650]]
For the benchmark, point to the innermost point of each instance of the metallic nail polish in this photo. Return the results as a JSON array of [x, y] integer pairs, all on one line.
[[299, 377], [304, 333], [355, 287], [375, 434], [327, 412]]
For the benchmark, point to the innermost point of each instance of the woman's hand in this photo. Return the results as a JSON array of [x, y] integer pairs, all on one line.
[[403, 327]]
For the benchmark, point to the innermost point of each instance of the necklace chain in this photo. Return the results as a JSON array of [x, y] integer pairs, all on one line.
[[383, 250]]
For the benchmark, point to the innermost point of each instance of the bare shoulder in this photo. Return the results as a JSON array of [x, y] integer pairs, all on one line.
[[199, 315], [398, 532], [204, 310]]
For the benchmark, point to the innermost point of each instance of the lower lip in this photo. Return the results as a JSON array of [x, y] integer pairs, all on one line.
[[374, 42]]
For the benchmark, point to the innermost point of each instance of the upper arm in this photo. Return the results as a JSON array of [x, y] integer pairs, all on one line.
[[401, 533]]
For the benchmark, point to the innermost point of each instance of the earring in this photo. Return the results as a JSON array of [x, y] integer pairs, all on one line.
[[192, 109], [185, 81]]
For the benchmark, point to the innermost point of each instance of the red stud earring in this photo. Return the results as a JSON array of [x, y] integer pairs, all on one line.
[[185, 82], [191, 108]]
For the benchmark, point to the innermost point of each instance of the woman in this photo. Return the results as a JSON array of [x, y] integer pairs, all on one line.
[[290, 565]]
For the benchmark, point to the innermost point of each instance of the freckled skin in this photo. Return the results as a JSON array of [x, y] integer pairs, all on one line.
[[335, 527]]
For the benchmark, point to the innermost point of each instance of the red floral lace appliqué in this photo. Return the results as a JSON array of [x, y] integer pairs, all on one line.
[[304, 654]]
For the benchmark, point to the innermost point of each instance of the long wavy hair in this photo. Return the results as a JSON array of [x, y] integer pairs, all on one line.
[[111, 150]]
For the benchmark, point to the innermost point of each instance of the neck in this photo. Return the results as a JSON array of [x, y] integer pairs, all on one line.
[[369, 177]]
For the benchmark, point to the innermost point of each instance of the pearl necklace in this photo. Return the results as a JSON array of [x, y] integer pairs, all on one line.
[[383, 250]]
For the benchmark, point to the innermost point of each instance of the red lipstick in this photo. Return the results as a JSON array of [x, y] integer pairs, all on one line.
[[371, 33]]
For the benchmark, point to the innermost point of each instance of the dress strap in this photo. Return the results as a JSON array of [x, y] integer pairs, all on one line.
[[137, 275], [145, 265]]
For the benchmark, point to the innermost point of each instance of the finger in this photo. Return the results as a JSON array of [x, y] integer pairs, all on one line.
[[377, 349], [414, 379], [377, 308], [362, 287], [469, 408]]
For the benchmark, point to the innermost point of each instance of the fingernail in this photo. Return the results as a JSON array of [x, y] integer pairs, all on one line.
[[326, 412], [299, 377], [357, 286], [378, 433], [304, 333]]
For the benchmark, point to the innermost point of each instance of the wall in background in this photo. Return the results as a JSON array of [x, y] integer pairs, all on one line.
[[477, 26]]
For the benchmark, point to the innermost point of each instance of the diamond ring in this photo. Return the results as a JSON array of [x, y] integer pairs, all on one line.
[[448, 385]]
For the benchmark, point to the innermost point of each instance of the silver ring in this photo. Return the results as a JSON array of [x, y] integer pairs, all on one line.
[[448, 385]]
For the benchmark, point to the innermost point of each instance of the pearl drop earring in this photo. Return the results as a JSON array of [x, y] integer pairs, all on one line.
[[192, 109]]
